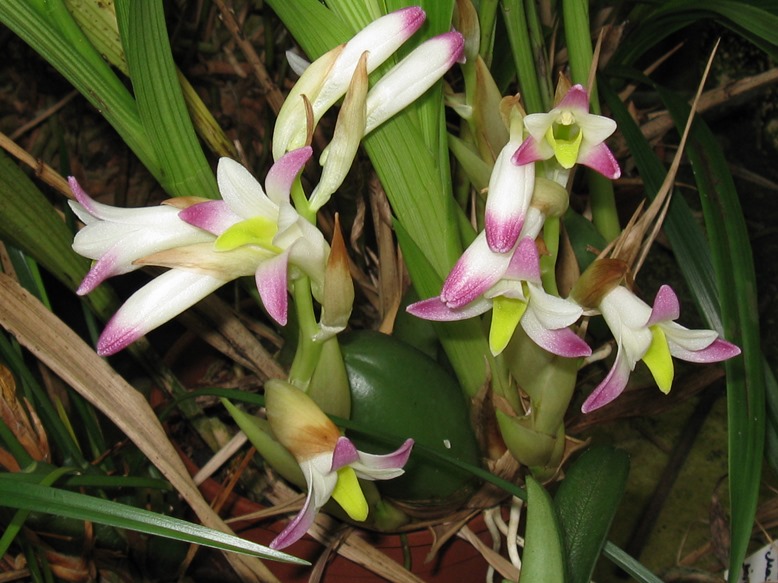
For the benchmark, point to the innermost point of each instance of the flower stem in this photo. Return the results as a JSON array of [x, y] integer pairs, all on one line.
[[308, 351]]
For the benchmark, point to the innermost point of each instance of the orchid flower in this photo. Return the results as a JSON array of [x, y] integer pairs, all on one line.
[[330, 462], [570, 134], [212, 242], [325, 81], [363, 111], [508, 283], [115, 237], [650, 334]]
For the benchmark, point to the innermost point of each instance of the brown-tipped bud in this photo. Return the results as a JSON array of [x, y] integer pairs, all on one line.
[[297, 422], [562, 87], [513, 115], [549, 197], [466, 22], [338, 287], [601, 277], [337, 158]]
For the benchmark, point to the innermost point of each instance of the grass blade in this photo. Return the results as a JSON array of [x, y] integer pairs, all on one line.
[[36, 497], [61, 349], [161, 105]]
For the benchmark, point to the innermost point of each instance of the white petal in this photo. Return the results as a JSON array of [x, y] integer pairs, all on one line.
[[537, 124], [242, 192], [692, 340], [411, 78], [552, 312]]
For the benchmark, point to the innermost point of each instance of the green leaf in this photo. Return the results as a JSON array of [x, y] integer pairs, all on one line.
[[38, 498], [587, 501], [543, 558], [161, 105], [31, 224], [733, 260]]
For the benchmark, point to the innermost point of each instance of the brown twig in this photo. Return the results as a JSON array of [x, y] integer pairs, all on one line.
[[269, 87], [42, 170]]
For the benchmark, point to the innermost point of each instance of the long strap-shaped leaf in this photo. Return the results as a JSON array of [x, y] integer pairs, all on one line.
[[161, 105], [732, 256], [27, 496], [734, 314], [61, 349]]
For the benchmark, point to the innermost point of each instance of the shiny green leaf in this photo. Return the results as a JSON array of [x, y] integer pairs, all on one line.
[[543, 559], [587, 501]]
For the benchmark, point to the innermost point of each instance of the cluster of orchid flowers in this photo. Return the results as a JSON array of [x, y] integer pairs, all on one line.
[[270, 233], [500, 270]]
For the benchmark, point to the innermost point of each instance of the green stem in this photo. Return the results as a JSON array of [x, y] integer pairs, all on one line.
[[308, 351], [551, 230]]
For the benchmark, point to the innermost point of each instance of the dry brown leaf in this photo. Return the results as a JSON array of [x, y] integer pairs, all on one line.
[[65, 353], [21, 420]]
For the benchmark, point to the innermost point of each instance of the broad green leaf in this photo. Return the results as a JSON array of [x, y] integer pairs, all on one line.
[[161, 105], [543, 559], [587, 501], [39, 498]]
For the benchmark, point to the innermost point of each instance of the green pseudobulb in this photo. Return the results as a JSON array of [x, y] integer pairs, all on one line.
[[399, 391]]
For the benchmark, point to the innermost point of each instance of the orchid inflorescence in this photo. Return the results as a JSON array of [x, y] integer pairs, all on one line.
[[270, 233]]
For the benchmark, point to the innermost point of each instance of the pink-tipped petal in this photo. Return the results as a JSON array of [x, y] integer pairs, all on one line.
[[381, 38], [282, 174], [412, 77], [102, 269], [241, 191], [598, 157], [476, 271], [666, 306], [562, 342], [510, 192], [345, 453], [158, 301], [383, 467], [525, 262], [271, 284], [82, 197], [613, 385], [718, 350], [435, 309], [530, 151], [213, 216], [297, 528], [576, 100]]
